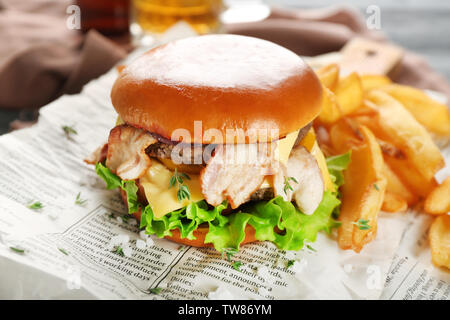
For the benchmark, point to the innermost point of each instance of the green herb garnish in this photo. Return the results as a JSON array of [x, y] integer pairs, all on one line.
[[63, 251], [376, 187], [155, 290], [69, 130], [183, 190], [125, 218], [178, 177], [236, 265], [290, 263], [183, 193], [229, 252], [287, 185], [79, 201], [35, 205], [362, 224], [311, 248], [18, 250], [119, 251]]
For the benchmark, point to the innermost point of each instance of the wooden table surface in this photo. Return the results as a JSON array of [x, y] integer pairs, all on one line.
[[417, 25]]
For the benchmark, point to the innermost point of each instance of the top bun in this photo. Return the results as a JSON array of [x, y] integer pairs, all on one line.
[[224, 81]]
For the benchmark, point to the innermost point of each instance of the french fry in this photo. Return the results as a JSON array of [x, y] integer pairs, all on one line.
[[362, 194], [420, 158], [440, 241], [438, 201], [374, 81], [367, 109], [397, 187], [393, 203], [430, 113], [330, 111], [349, 93], [343, 137], [329, 75], [411, 177]]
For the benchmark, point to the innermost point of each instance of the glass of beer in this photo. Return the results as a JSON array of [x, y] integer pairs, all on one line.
[[154, 17]]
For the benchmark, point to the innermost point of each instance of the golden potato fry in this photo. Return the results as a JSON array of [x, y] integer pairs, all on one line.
[[438, 201], [440, 241], [419, 154], [362, 194], [390, 150], [329, 75], [330, 109], [393, 203], [410, 176], [344, 137], [349, 93], [373, 81], [367, 109], [430, 113], [396, 186]]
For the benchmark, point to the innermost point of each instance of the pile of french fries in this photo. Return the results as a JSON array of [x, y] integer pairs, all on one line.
[[389, 128]]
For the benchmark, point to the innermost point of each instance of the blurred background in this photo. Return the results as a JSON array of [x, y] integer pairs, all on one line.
[[54, 47]]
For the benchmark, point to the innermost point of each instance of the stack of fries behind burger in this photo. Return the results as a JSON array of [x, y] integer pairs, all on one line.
[[389, 129]]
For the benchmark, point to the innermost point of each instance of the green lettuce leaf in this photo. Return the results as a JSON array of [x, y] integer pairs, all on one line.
[[113, 181], [186, 219], [268, 216], [131, 189], [336, 165], [277, 220]]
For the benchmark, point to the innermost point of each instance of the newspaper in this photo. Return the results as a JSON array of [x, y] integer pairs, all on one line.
[[69, 253]]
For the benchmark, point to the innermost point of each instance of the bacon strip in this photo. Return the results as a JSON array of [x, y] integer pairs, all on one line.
[[99, 155], [126, 151]]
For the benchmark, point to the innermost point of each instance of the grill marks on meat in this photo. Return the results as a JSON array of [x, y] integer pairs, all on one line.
[[126, 151], [187, 153], [308, 191], [262, 194], [235, 172]]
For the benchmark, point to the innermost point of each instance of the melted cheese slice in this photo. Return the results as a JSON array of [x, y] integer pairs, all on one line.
[[309, 142], [164, 199], [285, 146]]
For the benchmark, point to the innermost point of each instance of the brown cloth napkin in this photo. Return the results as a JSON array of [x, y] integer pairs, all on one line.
[[41, 59]]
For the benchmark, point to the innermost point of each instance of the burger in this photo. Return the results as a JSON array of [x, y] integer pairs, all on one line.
[[214, 145]]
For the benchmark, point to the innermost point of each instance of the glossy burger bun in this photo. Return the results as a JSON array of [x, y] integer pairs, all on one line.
[[224, 81], [199, 233]]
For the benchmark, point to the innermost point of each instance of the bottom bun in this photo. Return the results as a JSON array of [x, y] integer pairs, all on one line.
[[199, 233]]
